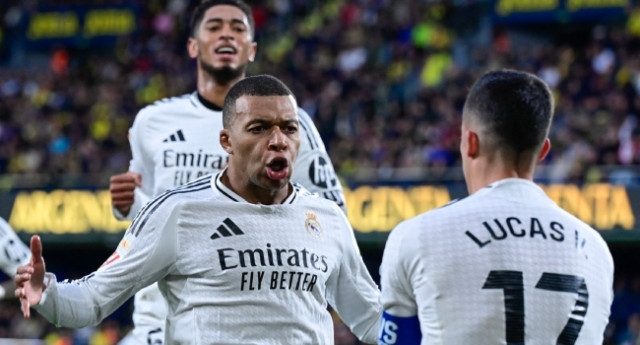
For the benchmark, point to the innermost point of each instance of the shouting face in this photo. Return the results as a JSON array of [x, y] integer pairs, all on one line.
[[262, 142]]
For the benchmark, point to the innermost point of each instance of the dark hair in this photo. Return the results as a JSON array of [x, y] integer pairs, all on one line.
[[259, 85], [514, 107], [198, 13]]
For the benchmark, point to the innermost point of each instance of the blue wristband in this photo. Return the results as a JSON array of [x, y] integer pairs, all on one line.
[[399, 330]]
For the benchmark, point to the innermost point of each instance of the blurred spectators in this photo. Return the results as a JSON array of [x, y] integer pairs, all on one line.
[[385, 82]]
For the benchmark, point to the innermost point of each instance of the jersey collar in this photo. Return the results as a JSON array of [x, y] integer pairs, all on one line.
[[207, 104], [514, 182], [217, 184]]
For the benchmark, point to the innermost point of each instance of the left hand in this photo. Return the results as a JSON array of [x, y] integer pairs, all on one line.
[[30, 278]]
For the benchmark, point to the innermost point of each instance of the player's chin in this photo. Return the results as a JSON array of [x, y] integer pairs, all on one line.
[[226, 64], [277, 181]]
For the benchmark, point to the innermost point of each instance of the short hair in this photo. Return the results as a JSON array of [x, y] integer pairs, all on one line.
[[199, 11], [259, 85], [515, 109]]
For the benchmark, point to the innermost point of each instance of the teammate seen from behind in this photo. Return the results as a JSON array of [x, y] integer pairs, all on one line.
[[505, 265], [13, 253], [172, 142], [242, 257]]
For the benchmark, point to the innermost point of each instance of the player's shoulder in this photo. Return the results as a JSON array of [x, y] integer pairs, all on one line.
[[166, 106], [447, 211], [171, 102], [303, 115], [304, 195], [197, 189], [578, 225], [302, 191], [307, 197], [432, 221], [306, 122]]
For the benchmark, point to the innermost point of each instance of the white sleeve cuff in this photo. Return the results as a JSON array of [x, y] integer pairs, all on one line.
[[50, 283]]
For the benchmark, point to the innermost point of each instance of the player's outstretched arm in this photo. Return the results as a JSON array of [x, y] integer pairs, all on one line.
[[30, 278], [136, 263], [122, 189]]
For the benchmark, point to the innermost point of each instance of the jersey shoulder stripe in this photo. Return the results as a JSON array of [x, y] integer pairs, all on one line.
[[151, 207], [307, 126]]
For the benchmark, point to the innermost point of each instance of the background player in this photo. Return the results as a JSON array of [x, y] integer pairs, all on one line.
[[505, 265], [243, 256], [13, 253], [173, 141]]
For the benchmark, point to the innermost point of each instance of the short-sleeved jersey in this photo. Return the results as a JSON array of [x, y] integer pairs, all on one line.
[[505, 265], [232, 272], [176, 140], [13, 252]]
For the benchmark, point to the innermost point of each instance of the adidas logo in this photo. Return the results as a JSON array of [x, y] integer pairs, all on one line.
[[177, 136], [226, 231]]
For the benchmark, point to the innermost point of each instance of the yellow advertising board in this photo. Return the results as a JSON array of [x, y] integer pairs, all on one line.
[[371, 209]]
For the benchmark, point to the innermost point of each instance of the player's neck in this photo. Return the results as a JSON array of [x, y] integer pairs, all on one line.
[[213, 91], [253, 193], [488, 172]]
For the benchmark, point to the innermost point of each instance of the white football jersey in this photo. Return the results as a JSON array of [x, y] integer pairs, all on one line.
[[505, 265], [176, 140], [232, 272], [13, 252]]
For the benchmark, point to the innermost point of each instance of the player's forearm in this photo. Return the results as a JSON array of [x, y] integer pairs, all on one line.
[[364, 324], [355, 297], [72, 304]]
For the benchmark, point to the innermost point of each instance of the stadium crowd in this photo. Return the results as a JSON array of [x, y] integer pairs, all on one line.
[[384, 80]]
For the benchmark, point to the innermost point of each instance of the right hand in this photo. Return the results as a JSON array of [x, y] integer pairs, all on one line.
[[121, 188], [29, 278]]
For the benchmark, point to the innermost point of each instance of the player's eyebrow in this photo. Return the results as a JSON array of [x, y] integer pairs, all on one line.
[[267, 122], [220, 21]]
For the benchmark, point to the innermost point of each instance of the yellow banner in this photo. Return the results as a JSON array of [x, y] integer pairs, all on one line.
[[64, 212], [370, 209]]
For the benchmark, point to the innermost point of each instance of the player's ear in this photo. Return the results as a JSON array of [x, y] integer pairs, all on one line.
[[253, 51], [225, 142], [545, 149], [473, 144], [192, 47]]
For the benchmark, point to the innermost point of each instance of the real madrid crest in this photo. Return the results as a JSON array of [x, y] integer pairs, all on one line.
[[312, 224]]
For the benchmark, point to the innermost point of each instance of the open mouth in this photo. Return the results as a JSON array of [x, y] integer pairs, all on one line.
[[278, 168], [226, 50], [278, 164]]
